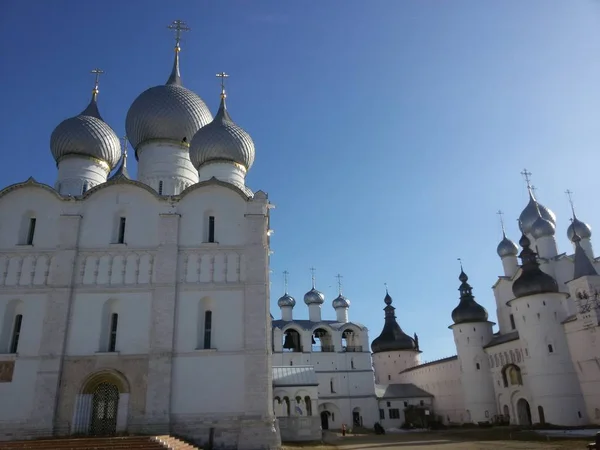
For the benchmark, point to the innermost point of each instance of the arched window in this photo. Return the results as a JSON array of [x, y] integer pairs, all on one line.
[[550, 348], [27, 231], [292, 341], [206, 324], [16, 333], [308, 404], [350, 341], [207, 329], [110, 325], [112, 342], [286, 400], [477, 366], [511, 375], [322, 341]]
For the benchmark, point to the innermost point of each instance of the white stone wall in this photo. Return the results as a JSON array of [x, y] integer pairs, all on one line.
[[388, 365], [385, 405], [77, 175]]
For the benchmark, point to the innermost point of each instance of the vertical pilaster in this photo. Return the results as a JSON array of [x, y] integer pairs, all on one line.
[[164, 298]]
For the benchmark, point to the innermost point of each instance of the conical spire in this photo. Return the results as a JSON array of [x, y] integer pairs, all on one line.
[[178, 26], [222, 113], [582, 266], [392, 338], [532, 279], [468, 310], [122, 172]]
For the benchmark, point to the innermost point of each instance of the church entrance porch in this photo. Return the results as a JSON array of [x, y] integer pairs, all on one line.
[[102, 405], [523, 412]]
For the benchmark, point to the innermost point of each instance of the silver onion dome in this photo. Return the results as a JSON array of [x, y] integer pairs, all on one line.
[[286, 300], [340, 302], [531, 213], [582, 229], [166, 112], [506, 247], [222, 140], [86, 135], [542, 228], [314, 297]]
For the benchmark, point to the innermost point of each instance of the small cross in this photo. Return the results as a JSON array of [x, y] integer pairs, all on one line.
[[178, 26], [312, 271], [501, 215], [527, 176], [222, 76], [285, 281], [339, 278], [570, 195], [460, 262], [97, 72]]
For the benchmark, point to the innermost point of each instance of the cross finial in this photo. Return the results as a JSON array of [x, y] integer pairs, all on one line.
[[97, 73], [222, 76], [570, 196], [339, 278], [285, 281], [178, 26], [527, 176], [501, 215], [312, 272], [386, 288], [460, 262]]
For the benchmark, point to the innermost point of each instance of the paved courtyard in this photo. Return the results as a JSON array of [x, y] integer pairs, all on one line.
[[448, 440]]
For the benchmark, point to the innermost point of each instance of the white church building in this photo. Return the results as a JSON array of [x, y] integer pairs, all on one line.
[[142, 305]]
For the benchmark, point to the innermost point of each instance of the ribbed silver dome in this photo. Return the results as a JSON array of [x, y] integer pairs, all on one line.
[[169, 112], [314, 297], [88, 135], [531, 213], [584, 231], [506, 247], [286, 300], [222, 140], [341, 302], [542, 228]]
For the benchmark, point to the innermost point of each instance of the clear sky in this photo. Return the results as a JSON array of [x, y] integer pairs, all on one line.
[[388, 133]]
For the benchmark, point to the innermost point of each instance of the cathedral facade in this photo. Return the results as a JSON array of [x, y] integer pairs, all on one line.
[[542, 366], [123, 300]]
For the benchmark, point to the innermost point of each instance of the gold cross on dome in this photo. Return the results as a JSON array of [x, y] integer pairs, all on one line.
[[97, 73], [178, 26]]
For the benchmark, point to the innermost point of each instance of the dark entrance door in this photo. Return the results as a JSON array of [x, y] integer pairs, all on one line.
[[325, 420], [524, 412], [356, 418], [104, 410]]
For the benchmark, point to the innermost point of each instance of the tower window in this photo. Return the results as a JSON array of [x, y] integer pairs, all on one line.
[[160, 188], [84, 188], [550, 348], [512, 322], [121, 239], [112, 340], [31, 231], [211, 229], [207, 328], [14, 342], [477, 366]]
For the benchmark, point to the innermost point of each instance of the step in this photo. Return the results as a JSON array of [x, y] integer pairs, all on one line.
[[99, 443]]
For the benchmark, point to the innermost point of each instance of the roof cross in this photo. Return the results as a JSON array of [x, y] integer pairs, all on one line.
[[527, 176], [178, 26], [285, 281], [570, 196], [501, 215], [312, 271], [222, 76], [97, 73], [460, 262], [339, 278]]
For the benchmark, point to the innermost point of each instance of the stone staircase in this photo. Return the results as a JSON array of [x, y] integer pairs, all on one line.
[[109, 443]]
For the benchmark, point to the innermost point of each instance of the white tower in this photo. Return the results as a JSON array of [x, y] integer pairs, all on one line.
[[341, 303], [314, 299], [539, 313], [393, 350], [160, 125], [472, 330], [85, 149], [507, 251]]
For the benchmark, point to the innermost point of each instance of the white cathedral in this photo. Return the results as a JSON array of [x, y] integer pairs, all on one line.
[[142, 305]]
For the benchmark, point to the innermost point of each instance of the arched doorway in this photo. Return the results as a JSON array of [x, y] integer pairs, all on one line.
[[325, 420], [101, 407], [523, 412], [105, 403], [356, 417]]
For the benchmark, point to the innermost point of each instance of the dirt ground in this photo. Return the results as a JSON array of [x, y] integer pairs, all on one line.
[[447, 440]]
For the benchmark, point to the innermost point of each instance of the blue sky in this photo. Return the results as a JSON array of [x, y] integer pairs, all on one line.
[[388, 133]]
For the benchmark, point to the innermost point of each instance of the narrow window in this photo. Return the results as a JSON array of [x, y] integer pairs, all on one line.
[[207, 328], [550, 348], [512, 322], [121, 239], [477, 366], [331, 386], [381, 414], [112, 341], [84, 188], [211, 229], [160, 188], [31, 231], [389, 377], [351, 363], [14, 342]]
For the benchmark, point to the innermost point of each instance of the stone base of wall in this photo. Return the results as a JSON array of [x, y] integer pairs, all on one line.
[[15, 431], [300, 428], [229, 432]]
